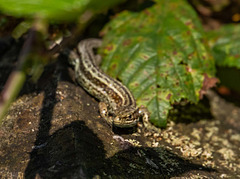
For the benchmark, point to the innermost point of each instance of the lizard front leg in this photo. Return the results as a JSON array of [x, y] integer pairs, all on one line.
[[103, 109], [145, 114]]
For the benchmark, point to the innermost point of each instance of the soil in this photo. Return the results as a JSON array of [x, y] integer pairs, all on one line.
[[53, 130]]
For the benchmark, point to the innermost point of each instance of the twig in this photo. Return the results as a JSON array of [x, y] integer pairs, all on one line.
[[10, 91], [16, 79]]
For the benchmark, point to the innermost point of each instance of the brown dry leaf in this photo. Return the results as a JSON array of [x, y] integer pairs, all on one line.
[[208, 83]]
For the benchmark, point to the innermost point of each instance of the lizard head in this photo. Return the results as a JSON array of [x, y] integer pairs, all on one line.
[[127, 117]]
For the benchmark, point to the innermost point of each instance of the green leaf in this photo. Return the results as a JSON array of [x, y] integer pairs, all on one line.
[[60, 10], [159, 54], [225, 44]]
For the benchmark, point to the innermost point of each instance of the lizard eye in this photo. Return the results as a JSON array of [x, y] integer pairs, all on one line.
[[139, 111], [117, 119], [129, 116]]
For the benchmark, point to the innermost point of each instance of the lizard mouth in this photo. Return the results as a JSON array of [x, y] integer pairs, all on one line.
[[125, 122]]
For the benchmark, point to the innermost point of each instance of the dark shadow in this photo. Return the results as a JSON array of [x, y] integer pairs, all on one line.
[[76, 152], [229, 88], [5, 45], [185, 112], [75, 149], [9, 50], [223, 15], [146, 162], [121, 131], [38, 160]]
